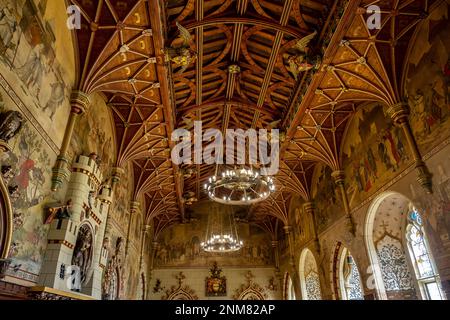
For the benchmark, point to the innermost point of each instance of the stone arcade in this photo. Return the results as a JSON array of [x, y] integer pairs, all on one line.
[[92, 207]]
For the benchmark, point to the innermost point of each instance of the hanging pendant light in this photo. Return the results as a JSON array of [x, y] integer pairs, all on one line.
[[221, 234], [239, 186]]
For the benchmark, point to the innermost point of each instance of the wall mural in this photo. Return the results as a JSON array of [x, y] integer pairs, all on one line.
[[302, 223], [120, 212], [94, 133], [179, 246], [30, 160], [326, 197], [373, 152], [30, 40], [428, 82]]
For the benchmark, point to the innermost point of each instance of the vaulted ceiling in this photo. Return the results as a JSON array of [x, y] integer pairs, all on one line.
[[239, 79]]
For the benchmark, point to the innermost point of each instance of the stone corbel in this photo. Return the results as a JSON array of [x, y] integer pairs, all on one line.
[[399, 114]]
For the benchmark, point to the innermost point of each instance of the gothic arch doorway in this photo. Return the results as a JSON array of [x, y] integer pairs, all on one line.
[[346, 277], [6, 228]]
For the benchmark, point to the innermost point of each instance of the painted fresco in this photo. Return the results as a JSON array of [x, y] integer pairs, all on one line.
[[179, 246], [302, 223], [122, 196], [132, 275], [30, 40], [427, 85], [31, 160], [94, 133], [374, 151], [326, 198]]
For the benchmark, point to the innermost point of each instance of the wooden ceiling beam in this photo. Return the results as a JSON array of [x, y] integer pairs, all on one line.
[[272, 60], [199, 14], [157, 16]]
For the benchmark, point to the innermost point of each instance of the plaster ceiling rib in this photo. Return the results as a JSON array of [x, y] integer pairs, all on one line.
[[199, 13], [272, 60], [158, 29]]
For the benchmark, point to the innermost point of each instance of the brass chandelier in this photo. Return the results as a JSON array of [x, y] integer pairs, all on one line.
[[221, 234], [239, 186]]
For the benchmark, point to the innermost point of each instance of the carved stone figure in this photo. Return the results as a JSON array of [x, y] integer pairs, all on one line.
[[82, 254], [10, 124], [112, 278], [302, 60], [182, 55]]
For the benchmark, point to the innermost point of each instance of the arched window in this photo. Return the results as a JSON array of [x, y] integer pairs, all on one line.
[[352, 282], [425, 270], [346, 277], [309, 276]]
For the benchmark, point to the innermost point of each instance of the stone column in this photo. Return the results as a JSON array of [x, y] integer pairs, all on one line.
[[339, 179], [276, 258], [293, 272], [145, 230], [399, 114], [154, 250], [135, 209], [79, 103], [309, 210]]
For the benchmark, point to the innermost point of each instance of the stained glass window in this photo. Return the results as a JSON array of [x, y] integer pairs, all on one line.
[[425, 271]]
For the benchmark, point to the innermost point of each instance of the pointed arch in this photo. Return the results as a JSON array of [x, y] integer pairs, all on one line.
[[309, 276]]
